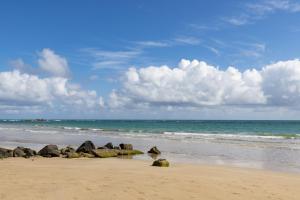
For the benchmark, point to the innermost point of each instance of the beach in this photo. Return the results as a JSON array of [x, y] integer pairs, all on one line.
[[113, 178]]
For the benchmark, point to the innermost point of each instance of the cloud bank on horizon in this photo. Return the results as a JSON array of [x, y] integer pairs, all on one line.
[[192, 84]]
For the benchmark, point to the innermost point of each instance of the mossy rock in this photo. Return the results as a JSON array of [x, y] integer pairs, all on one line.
[[161, 163], [86, 155], [72, 155], [105, 153], [129, 152]]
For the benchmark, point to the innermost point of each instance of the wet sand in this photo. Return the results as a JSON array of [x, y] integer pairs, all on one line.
[[58, 178]]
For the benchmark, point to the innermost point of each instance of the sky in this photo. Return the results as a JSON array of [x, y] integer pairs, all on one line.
[[138, 59]]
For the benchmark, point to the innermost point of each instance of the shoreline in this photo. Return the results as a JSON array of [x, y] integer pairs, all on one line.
[[83, 178]]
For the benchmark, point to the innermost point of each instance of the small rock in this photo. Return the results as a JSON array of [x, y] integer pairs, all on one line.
[[126, 146], [154, 150], [161, 163], [19, 152], [86, 155], [66, 150], [72, 155], [49, 151], [29, 152], [86, 147], [5, 153], [109, 145]]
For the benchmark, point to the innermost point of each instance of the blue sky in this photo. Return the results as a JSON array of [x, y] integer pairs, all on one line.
[[93, 44]]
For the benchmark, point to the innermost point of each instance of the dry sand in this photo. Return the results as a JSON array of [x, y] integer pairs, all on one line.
[[58, 178]]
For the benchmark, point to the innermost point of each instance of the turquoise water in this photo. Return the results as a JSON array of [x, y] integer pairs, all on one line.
[[271, 145], [242, 127]]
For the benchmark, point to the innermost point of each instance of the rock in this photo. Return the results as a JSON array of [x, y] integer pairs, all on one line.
[[19, 152], [161, 163], [86, 147], [66, 150], [109, 145], [5, 153], [29, 152], [49, 151], [116, 147], [129, 152], [72, 155], [126, 146], [105, 153], [86, 155], [154, 150]]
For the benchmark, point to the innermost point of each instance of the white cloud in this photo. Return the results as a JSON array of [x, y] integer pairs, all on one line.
[[53, 63], [187, 40], [153, 44], [197, 84], [262, 8], [20, 90]]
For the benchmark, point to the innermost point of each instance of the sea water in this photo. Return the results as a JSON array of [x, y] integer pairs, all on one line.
[[248, 143]]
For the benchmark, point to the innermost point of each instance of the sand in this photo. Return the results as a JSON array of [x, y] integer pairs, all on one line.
[[58, 178]]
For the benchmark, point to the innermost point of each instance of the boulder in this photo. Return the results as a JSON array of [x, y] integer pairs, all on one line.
[[86, 147], [116, 147], [49, 151], [105, 153], [154, 150], [5, 153], [126, 146], [19, 152], [66, 150], [109, 145], [161, 163]]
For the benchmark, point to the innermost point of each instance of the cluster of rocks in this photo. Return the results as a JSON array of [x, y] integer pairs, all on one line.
[[86, 149]]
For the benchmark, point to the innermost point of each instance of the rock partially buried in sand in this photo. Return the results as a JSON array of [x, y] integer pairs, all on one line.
[[154, 150], [161, 163], [5, 153], [124, 152], [49, 151], [126, 146], [86, 155], [86, 147]]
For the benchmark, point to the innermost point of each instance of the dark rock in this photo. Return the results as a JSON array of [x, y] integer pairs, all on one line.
[[126, 146], [86, 147], [5, 153], [109, 145], [116, 147], [29, 152], [66, 150], [161, 163], [105, 153], [19, 152], [49, 151], [154, 150], [102, 148]]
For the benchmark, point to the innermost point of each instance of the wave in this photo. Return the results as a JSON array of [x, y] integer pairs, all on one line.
[[223, 135]]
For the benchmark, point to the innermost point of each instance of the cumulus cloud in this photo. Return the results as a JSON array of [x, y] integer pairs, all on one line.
[[19, 90], [52, 63], [197, 84]]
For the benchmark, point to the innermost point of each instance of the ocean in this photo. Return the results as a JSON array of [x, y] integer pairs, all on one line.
[[273, 145]]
